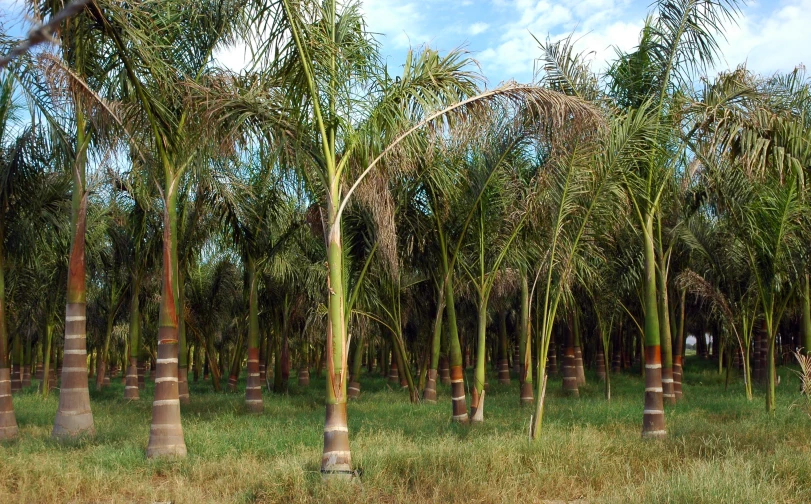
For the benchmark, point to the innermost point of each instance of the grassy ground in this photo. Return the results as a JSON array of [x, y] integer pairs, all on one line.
[[721, 448]]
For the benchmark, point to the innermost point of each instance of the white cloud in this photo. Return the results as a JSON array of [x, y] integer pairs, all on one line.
[[478, 28], [770, 41]]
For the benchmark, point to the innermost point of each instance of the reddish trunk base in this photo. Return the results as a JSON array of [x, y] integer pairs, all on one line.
[[253, 390], [131, 387], [653, 417], [601, 365], [677, 376], [570, 373], [552, 362], [517, 361], [444, 371], [303, 377], [8, 422], [353, 390], [504, 372], [429, 394], [616, 362], [16, 379], [458, 395], [166, 431], [394, 376], [578, 363], [141, 376], [262, 373], [73, 417], [183, 385], [26, 377], [336, 459], [668, 387], [526, 393], [232, 383]]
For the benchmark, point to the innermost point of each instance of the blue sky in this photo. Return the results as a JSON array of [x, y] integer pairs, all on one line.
[[770, 35]]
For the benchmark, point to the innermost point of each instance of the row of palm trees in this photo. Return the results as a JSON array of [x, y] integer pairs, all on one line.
[[318, 204]]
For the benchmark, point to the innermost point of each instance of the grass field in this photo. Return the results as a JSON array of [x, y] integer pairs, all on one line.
[[720, 448]]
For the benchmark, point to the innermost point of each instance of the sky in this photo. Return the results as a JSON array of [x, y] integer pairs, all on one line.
[[770, 35]]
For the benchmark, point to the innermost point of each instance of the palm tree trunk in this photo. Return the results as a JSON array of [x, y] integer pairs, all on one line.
[[525, 345], [357, 364], [183, 355], [578, 350], [570, 386], [8, 421], [477, 395], [101, 372], [458, 398], [806, 300], [429, 394], [253, 390], [131, 390], [678, 348], [166, 431], [503, 361], [336, 458], [73, 416], [653, 416]]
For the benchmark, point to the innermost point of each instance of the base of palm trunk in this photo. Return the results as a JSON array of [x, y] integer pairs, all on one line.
[[394, 376], [353, 389], [570, 381], [336, 459], [653, 417], [166, 431], [601, 366], [458, 395], [8, 422], [477, 406], [16, 379], [444, 372], [253, 390], [668, 388], [26, 377], [73, 417], [141, 375], [131, 387], [678, 374], [429, 394], [526, 393], [183, 385], [232, 383], [303, 377], [578, 363], [504, 372]]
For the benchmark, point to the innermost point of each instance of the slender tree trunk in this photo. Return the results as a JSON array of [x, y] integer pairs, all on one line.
[[357, 365], [73, 416], [429, 394], [304, 366], [166, 431], [503, 361], [525, 345], [678, 349], [101, 374], [131, 390], [653, 416], [479, 378], [8, 421], [253, 390], [668, 389], [806, 300], [182, 349], [578, 350], [458, 398], [569, 364], [336, 458]]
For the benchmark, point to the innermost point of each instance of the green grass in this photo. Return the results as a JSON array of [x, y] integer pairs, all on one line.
[[720, 448]]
